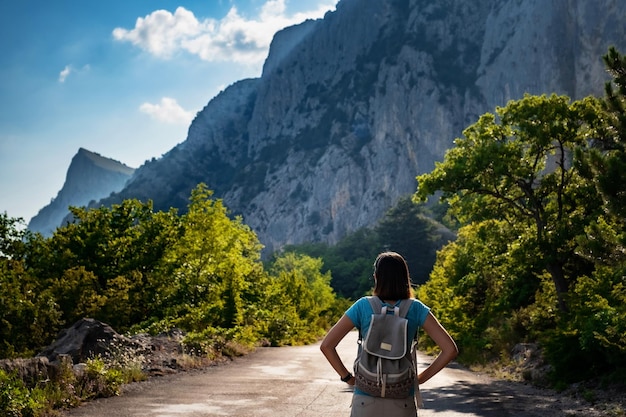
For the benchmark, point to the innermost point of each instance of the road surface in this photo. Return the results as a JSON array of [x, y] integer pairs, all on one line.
[[298, 382]]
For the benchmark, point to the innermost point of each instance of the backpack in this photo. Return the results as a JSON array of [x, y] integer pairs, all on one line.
[[385, 366]]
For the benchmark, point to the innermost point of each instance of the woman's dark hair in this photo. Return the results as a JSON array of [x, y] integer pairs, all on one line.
[[392, 277]]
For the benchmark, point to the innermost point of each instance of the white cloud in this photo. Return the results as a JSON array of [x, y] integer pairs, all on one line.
[[167, 111], [64, 73], [71, 70], [234, 38]]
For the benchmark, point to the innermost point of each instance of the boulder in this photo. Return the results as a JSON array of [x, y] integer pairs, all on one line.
[[29, 370], [87, 338]]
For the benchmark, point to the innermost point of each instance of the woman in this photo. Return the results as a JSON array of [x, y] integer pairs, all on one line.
[[392, 285]]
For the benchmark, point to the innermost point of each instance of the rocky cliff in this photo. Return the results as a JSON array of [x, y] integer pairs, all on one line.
[[89, 178], [350, 108]]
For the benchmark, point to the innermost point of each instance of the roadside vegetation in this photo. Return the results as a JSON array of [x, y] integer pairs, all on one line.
[[539, 193], [535, 195], [142, 271]]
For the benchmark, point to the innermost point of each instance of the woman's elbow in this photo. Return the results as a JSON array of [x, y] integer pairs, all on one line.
[[452, 351], [325, 347]]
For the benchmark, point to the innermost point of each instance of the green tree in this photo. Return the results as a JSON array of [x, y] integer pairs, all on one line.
[[599, 297], [29, 314], [406, 229], [212, 263], [299, 303], [106, 264], [350, 261], [517, 166], [483, 288]]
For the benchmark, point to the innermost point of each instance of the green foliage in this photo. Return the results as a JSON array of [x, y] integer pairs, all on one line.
[[539, 193], [150, 271], [12, 233], [595, 338], [137, 269], [29, 314], [474, 290], [15, 398], [518, 167], [405, 228], [106, 264], [212, 263], [65, 389], [299, 300], [106, 380]]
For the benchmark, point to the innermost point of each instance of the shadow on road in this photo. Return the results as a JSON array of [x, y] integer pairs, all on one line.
[[494, 399], [485, 400]]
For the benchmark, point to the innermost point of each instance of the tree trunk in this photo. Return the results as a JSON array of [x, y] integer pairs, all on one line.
[[558, 277]]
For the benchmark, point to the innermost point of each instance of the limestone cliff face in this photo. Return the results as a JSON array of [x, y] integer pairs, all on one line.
[[350, 108], [90, 177]]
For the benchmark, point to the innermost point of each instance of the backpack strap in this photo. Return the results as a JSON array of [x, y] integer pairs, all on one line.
[[376, 304], [405, 305]]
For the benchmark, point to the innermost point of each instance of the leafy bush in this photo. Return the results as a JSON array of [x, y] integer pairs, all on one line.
[[15, 398]]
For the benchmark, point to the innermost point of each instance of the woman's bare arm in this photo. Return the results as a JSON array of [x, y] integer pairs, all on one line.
[[448, 347], [330, 342]]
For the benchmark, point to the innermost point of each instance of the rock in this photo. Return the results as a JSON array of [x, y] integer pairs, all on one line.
[[351, 108], [523, 352], [29, 370], [87, 338], [530, 363]]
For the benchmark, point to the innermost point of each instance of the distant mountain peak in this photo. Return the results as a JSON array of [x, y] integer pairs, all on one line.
[[90, 177], [105, 163]]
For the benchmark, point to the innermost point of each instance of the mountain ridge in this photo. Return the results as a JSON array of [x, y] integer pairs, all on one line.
[[89, 177], [351, 108]]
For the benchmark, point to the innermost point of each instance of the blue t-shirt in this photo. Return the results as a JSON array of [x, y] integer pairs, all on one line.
[[360, 313]]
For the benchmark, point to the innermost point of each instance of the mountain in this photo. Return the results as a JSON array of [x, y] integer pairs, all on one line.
[[89, 178], [351, 107]]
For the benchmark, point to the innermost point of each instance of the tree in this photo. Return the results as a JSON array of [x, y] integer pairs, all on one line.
[[299, 299], [407, 230], [599, 298], [482, 288], [106, 264], [212, 262], [12, 234], [29, 315], [605, 162], [517, 166]]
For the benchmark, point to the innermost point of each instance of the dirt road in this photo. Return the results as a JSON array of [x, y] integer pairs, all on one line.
[[297, 381]]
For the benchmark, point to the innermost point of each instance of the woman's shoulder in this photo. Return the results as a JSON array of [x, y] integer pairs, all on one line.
[[417, 301], [419, 310], [360, 303]]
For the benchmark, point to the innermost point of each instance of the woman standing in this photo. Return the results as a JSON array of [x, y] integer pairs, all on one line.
[[392, 285]]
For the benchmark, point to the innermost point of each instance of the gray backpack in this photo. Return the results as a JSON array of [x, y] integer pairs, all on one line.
[[385, 366]]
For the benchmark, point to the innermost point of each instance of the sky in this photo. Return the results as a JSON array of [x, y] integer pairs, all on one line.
[[122, 78]]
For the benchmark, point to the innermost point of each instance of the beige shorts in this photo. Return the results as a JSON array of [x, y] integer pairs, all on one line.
[[365, 406]]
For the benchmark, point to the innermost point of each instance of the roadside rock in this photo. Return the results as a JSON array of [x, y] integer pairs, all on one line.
[[87, 338], [530, 364], [30, 370]]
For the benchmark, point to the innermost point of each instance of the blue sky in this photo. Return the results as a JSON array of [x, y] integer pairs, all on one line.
[[122, 78]]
